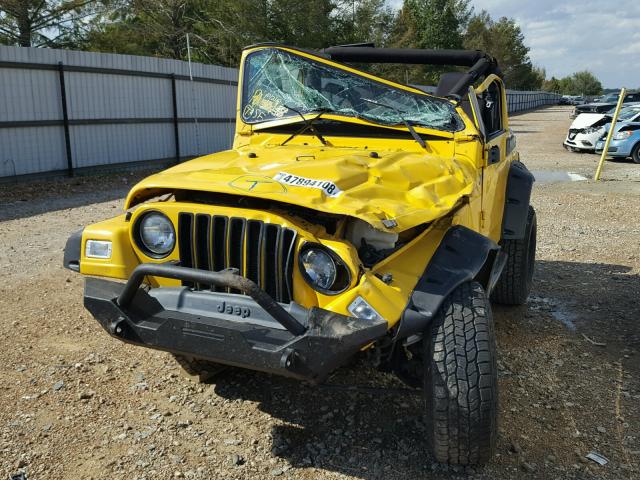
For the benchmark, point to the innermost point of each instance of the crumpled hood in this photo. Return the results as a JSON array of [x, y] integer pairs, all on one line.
[[585, 120], [403, 189]]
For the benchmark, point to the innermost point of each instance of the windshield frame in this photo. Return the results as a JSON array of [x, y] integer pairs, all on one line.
[[292, 118]]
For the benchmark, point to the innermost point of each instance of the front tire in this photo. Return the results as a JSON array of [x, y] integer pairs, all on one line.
[[514, 285], [635, 154], [460, 379]]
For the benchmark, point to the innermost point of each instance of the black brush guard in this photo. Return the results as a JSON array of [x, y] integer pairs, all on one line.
[[252, 331]]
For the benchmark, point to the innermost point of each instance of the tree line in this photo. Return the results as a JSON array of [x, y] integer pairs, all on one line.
[[580, 83], [219, 29]]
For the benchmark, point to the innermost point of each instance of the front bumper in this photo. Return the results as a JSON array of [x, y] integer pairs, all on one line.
[[617, 148], [253, 332], [582, 141]]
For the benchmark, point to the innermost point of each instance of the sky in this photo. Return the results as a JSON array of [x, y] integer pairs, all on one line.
[[566, 36]]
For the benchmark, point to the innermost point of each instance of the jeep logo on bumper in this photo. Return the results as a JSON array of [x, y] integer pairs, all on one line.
[[229, 309]]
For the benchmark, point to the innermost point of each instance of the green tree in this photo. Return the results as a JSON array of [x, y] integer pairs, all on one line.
[[160, 27], [580, 83], [552, 85], [539, 76], [118, 30], [218, 28], [432, 24], [585, 83], [437, 23], [363, 21], [566, 86], [305, 24], [504, 40], [36, 23]]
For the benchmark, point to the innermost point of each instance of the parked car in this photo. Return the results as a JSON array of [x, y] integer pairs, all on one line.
[[571, 100], [606, 103], [353, 215], [625, 142], [587, 128], [565, 100]]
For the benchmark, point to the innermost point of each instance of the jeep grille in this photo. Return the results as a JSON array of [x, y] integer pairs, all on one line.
[[262, 252]]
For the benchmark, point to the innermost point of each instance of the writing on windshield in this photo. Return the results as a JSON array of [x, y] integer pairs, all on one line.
[[277, 84]]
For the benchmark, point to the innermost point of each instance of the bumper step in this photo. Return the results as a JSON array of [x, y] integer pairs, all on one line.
[[230, 329]]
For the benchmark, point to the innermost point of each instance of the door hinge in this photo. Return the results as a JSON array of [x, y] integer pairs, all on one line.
[[494, 155]]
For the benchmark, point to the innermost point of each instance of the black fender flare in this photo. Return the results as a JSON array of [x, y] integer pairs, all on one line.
[[517, 198], [462, 256], [73, 251]]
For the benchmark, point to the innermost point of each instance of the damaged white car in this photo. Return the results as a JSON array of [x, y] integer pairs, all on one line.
[[588, 128]]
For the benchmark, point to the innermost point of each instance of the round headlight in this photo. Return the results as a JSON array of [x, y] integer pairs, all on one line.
[[157, 234], [319, 267]]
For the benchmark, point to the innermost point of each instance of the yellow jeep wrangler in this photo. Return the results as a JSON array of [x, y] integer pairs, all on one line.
[[353, 215]]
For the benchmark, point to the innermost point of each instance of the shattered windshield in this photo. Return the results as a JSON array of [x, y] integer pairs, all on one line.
[[278, 84]]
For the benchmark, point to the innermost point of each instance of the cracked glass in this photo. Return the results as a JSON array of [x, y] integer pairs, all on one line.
[[279, 84]]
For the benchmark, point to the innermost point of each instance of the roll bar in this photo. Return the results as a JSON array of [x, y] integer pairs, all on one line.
[[481, 63]]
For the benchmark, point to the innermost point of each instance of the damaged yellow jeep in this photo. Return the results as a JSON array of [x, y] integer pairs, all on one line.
[[353, 215]]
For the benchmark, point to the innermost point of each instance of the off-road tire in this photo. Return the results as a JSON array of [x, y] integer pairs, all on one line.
[[198, 370], [515, 282], [460, 379], [635, 154]]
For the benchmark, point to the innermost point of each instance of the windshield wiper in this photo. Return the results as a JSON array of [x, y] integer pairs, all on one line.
[[412, 130], [308, 125]]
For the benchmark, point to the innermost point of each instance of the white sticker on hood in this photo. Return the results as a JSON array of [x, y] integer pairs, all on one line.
[[329, 188]]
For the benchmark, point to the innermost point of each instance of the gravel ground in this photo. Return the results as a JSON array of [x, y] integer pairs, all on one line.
[[75, 403]]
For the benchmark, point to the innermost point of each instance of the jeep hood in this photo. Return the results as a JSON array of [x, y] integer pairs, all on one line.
[[401, 189]]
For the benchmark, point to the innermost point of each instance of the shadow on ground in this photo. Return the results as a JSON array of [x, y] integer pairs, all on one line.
[[368, 425], [23, 200]]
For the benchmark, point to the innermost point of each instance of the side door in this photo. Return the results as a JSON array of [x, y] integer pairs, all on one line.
[[499, 147]]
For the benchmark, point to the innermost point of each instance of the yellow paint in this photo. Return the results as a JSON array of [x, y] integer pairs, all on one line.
[[413, 188], [494, 176], [448, 184], [405, 265], [614, 120], [123, 258]]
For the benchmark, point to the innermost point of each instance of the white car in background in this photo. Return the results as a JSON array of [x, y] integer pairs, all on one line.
[[588, 128]]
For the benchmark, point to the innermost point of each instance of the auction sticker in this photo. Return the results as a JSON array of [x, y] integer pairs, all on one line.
[[329, 188]]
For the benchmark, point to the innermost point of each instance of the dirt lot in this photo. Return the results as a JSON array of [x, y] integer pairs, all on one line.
[[76, 404]]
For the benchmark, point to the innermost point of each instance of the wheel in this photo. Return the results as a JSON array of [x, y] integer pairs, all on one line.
[[198, 370], [635, 154], [514, 284], [460, 379]]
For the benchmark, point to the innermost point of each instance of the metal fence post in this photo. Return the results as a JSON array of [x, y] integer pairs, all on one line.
[[176, 126], [65, 119]]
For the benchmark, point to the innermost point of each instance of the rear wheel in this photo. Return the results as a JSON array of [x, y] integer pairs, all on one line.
[[635, 154], [515, 282], [198, 370], [460, 379]]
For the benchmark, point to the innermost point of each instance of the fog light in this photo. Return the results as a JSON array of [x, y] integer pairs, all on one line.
[[98, 249], [361, 309]]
